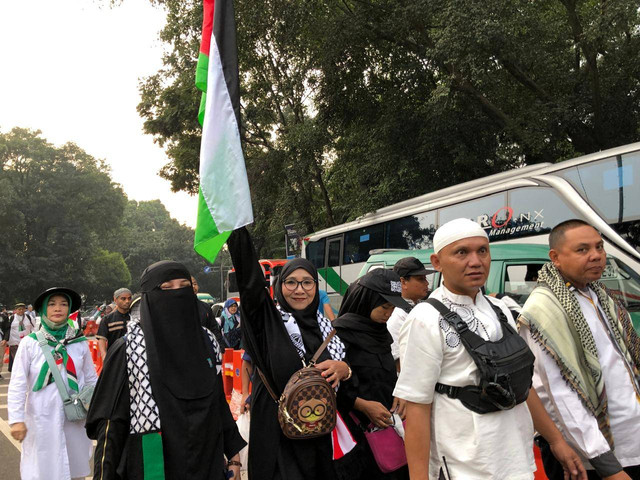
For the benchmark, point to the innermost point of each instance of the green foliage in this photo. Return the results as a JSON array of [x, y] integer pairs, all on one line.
[[65, 223], [149, 234], [55, 204], [105, 270], [349, 105]]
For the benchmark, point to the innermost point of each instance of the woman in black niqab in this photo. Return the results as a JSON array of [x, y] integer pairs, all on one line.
[[178, 354], [196, 426]]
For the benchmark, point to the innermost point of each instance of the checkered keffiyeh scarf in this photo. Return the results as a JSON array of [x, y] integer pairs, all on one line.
[[336, 347], [621, 331], [143, 408]]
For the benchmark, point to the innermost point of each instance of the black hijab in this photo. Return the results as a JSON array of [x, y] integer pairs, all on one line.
[[354, 324], [308, 318], [177, 353]]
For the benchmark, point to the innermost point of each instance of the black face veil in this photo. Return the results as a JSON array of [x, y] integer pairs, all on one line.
[[177, 352]]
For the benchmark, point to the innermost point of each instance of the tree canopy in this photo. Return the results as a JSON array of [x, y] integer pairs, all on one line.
[[64, 222], [350, 105]]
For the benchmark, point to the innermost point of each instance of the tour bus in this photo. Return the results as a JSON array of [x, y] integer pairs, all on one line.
[[517, 206], [271, 269]]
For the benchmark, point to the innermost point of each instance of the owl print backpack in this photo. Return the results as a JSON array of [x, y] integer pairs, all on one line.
[[307, 406]]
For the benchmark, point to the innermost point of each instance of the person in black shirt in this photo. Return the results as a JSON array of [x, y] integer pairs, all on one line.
[[361, 325], [114, 325], [5, 329]]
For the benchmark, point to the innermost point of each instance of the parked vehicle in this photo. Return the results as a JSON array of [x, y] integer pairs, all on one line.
[[517, 206], [514, 269]]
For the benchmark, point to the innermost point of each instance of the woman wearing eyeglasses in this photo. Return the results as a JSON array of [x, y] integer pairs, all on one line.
[[279, 339]]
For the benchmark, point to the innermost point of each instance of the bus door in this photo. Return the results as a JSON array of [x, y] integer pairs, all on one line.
[[330, 276]]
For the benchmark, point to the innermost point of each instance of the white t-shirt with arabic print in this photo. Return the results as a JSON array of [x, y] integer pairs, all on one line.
[[497, 445]]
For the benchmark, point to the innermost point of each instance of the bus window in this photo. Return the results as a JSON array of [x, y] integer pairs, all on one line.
[[315, 253], [520, 280], [358, 243], [275, 271], [534, 211], [612, 187], [333, 259], [624, 283], [480, 209], [411, 232]]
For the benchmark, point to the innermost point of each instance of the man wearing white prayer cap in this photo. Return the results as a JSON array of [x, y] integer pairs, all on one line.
[[443, 436]]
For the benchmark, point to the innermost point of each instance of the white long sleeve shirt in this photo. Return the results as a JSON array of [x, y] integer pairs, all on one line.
[[15, 334], [577, 424], [54, 448], [394, 324]]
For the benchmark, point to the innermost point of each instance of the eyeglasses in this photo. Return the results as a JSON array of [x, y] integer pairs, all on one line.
[[307, 284], [307, 411]]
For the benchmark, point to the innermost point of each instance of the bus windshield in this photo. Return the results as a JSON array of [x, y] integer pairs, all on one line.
[[623, 282], [610, 186]]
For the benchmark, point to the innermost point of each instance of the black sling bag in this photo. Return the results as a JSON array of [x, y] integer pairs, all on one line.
[[506, 366]]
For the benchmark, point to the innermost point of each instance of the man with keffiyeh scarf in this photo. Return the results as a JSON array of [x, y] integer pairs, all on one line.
[[53, 447], [587, 369]]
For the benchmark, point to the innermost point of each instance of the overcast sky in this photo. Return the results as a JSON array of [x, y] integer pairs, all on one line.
[[71, 69]]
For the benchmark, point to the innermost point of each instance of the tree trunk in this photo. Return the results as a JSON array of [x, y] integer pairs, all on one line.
[[325, 193]]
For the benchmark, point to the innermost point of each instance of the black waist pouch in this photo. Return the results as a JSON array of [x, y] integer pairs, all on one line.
[[506, 366]]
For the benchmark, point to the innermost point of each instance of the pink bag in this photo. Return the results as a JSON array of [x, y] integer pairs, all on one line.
[[387, 447]]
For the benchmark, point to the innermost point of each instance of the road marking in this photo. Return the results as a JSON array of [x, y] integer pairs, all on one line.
[[5, 429]]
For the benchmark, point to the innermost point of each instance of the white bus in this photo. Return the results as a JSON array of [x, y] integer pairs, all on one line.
[[520, 205]]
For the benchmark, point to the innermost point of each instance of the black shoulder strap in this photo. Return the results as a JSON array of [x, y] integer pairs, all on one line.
[[504, 321], [469, 339], [267, 385]]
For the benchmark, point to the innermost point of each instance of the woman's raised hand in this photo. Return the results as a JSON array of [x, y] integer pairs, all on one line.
[[333, 371], [19, 431]]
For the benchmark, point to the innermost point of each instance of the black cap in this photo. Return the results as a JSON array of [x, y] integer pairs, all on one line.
[[387, 284], [19, 305], [76, 301], [410, 266]]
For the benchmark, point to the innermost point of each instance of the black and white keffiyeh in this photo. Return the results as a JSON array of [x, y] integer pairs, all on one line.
[[335, 348], [143, 408]]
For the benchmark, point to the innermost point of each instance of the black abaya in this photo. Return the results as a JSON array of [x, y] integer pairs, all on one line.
[[196, 423], [271, 454], [368, 345]]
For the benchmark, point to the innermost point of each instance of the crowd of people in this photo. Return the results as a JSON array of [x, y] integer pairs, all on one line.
[[402, 383]]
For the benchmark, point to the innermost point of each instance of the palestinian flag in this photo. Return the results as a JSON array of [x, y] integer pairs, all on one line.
[[63, 360], [224, 202]]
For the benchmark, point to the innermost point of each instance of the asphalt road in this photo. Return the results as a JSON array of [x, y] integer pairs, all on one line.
[[9, 448]]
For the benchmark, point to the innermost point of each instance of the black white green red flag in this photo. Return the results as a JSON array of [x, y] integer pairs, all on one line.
[[224, 201]]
